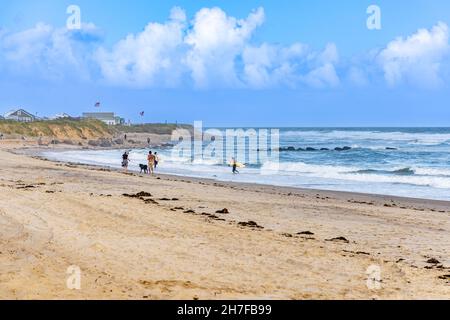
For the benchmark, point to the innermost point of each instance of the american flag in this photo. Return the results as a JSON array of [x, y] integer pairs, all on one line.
[[97, 104]]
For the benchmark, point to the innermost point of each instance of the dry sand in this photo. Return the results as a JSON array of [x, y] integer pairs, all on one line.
[[173, 245]]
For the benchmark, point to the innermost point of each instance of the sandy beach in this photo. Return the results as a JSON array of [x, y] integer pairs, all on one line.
[[162, 237]]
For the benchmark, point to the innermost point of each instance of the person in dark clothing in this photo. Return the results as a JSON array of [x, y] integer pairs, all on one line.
[[125, 161], [234, 164]]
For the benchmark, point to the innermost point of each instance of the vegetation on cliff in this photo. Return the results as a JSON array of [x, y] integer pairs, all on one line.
[[59, 129]]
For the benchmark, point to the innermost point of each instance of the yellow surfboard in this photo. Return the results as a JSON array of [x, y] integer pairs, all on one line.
[[238, 164]]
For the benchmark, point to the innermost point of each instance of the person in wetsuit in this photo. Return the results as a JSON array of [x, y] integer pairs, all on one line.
[[125, 161], [234, 165]]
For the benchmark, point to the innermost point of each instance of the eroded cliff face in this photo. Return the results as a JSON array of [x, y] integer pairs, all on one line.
[[59, 129]]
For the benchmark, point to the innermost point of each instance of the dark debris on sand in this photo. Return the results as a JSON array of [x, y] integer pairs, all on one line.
[[138, 195], [338, 239], [357, 252], [445, 277], [223, 211], [305, 233], [26, 187], [149, 201], [143, 196], [212, 216], [433, 261], [250, 224]]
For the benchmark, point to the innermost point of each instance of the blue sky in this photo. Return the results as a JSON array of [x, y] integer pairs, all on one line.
[[230, 63]]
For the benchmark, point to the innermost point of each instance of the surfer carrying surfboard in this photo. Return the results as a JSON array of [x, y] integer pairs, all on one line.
[[234, 165]]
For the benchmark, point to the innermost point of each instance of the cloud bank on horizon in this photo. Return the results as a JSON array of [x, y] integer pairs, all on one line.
[[217, 50]]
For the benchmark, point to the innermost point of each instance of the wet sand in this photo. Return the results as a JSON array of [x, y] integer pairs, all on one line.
[[162, 237]]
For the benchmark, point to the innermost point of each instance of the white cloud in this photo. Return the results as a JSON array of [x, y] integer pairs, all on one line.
[[323, 73], [216, 40], [329, 56], [26, 44], [322, 76], [357, 77], [149, 58], [49, 52], [417, 59], [218, 50], [214, 50], [269, 65]]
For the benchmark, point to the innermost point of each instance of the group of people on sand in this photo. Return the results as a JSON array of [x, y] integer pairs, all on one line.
[[152, 160]]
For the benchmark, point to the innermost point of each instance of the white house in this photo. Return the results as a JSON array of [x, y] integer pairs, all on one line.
[[20, 115], [60, 116], [107, 117]]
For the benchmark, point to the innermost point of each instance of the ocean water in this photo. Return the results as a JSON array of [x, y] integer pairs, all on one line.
[[411, 162]]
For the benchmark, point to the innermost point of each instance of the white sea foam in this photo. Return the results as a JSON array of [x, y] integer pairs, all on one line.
[[432, 171], [350, 173], [367, 136]]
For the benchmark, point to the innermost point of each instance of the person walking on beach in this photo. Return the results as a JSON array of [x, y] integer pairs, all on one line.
[[234, 164], [151, 162], [156, 159], [125, 161]]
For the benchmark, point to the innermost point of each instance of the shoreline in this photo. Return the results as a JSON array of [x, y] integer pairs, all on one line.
[[437, 204], [168, 237]]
